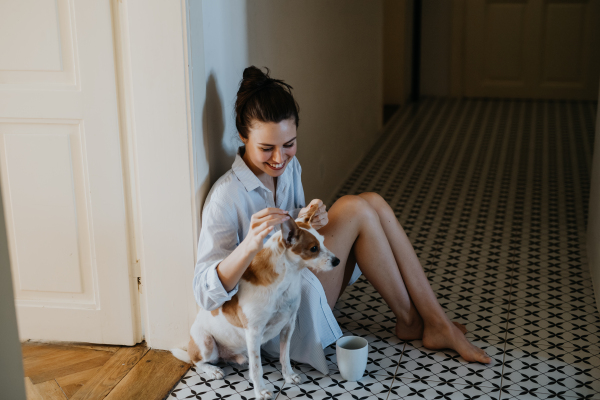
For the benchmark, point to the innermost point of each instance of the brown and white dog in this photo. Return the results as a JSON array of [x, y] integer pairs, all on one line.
[[264, 306]]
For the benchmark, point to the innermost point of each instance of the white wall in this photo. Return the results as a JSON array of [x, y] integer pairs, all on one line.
[[154, 55], [593, 234], [330, 51], [11, 363]]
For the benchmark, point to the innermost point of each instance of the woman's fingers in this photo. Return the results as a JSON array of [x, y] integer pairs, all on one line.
[[318, 202], [271, 220], [265, 232], [268, 211], [273, 217]]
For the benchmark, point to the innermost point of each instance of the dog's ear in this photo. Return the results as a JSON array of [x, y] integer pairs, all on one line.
[[289, 232], [307, 218]]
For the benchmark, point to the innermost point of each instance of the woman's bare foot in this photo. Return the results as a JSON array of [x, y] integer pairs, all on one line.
[[460, 326], [449, 336]]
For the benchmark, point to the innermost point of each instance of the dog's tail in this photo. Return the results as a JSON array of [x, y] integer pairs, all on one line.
[[182, 355]]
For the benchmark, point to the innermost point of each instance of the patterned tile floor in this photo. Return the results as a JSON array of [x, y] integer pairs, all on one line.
[[493, 195]]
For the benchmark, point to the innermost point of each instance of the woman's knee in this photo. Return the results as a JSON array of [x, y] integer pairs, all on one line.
[[356, 205], [377, 202]]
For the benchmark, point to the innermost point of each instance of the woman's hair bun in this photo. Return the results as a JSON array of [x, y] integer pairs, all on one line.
[[262, 98], [254, 76]]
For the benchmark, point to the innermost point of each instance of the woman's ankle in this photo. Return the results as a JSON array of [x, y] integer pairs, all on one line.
[[409, 329], [437, 323]]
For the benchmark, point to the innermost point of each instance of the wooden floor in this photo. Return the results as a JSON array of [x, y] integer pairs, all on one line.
[[82, 371]]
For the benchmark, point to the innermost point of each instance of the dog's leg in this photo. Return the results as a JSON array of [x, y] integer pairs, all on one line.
[[203, 353], [284, 352], [253, 337]]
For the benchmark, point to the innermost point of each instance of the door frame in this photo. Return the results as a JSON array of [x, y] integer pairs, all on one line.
[[457, 51], [593, 230], [151, 46]]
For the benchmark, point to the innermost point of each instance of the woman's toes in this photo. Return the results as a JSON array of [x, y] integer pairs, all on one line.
[[483, 357], [460, 326], [453, 338], [476, 355]]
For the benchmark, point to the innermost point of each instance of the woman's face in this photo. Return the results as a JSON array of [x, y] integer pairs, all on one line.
[[270, 147]]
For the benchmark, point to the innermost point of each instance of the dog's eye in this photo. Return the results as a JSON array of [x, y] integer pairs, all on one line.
[[314, 248]]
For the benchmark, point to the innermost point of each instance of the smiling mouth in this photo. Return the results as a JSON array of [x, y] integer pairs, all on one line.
[[276, 166]]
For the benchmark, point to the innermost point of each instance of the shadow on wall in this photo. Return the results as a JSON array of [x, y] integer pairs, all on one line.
[[329, 51], [219, 160]]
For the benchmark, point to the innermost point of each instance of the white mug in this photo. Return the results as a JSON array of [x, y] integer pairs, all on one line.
[[352, 353]]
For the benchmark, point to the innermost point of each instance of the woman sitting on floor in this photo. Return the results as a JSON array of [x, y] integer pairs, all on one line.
[[254, 196]]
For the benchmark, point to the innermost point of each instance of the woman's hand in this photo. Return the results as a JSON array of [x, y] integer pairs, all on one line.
[[261, 223], [320, 218]]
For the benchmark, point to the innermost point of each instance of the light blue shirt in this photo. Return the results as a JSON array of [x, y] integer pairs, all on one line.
[[226, 215]]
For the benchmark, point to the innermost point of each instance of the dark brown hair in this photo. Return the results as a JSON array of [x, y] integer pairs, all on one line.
[[262, 98]]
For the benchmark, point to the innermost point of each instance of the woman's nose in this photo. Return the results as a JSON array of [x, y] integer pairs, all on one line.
[[278, 156]]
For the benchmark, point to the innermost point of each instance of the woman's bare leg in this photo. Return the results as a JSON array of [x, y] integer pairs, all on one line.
[[404, 253], [355, 224]]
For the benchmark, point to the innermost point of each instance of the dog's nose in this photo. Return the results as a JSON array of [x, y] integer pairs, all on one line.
[[335, 261]]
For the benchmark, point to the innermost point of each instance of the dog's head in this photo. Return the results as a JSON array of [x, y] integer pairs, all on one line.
[[305, 244]]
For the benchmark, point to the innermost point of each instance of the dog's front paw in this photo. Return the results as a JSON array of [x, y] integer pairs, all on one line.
[[293, 378], [217, 374], [212, 371], [264, 394]]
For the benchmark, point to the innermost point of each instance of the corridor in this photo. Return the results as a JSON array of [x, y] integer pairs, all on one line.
[[493, 195]]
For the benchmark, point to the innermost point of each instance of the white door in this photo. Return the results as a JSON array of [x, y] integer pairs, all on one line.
[[532, 48], [61, 172]]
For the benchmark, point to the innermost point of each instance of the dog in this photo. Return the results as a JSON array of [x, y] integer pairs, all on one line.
[[264, 306]]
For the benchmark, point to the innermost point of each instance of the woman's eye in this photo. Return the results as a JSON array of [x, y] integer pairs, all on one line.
[[314, 248], [287, 146]]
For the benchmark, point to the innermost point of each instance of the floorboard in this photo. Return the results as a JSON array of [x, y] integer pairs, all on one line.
[[50, 390], [111, 373], [67, 366], [151, 379], [31, 391], [77, 371], [70, 384]]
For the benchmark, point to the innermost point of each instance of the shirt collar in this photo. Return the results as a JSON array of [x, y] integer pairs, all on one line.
[[251, 181]]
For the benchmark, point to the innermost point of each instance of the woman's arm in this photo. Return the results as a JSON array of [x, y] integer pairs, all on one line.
[[221, 260], [218, 240], [232, 268]]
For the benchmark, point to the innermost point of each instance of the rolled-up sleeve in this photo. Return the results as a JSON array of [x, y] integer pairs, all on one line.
[[218, 239]]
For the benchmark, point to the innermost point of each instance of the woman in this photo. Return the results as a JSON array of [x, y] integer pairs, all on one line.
[[263, 189]]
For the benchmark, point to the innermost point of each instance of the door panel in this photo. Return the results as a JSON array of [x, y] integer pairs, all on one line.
[[504, 36], [532, 48], [61, 172], [38, 43]]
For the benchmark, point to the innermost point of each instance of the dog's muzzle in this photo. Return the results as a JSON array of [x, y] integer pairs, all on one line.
[[335, 261]]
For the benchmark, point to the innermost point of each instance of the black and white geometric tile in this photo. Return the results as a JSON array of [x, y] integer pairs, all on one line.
[[419, 363], [560, 370], [493, 195]]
